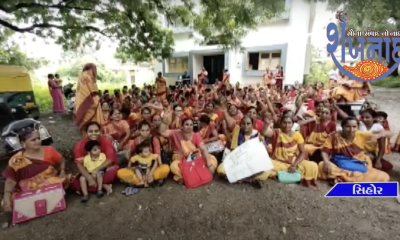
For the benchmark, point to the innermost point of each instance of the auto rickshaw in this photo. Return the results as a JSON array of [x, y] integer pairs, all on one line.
[[16, 90]]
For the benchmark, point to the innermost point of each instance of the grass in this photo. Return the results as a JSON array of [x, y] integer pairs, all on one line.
[[388, 82], [43, 98]]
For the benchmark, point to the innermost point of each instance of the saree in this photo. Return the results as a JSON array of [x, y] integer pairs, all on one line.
[[317, 135], [57, 96], [128, 176], [87, 105], [108, 149], [284, 153], [161, 87], [226, 79], [31, 174], [267, 78], [117, 130], [182, 148], [351, 93], [238, 138], [336, 144]]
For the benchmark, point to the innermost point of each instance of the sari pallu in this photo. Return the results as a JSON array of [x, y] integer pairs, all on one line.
[[108, 149], [317, 135], [118, 131], [182, 148], [87, 102], [127, 175], [335, 144]]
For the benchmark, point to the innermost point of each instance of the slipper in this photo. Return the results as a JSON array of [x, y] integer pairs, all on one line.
[[129, 191]]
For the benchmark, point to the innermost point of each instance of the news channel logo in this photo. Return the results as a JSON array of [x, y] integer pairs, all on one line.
[[371, 189]]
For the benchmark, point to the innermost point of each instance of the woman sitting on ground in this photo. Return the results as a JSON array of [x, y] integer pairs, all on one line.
[[32, 168], [343, 148], [118, 130], [161, 172], [184, 142], [109, 167]]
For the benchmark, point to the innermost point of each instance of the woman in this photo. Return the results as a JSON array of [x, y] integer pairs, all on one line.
[[87, 100], [127, 175], [374, 149], [350, 143], [105, 108], [109, 167], [258, 124], [33, 168], [351, 90], [177, 118], [203, 77], [135, 117], [226, 77], [118, 130], [184, 142], [288, 153], [56, 95], [242, 133], [267, 77], [318, 130], [161, 86], [233, 113], [208, 130]]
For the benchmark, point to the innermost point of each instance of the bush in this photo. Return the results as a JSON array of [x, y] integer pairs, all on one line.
[[388, 82], [43, 98]]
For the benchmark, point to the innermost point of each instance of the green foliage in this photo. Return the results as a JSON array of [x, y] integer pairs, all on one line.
[[74, 68], [319, 70], [136, 25], [388, 82]]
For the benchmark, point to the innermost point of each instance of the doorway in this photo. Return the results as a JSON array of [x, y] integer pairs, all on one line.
[[214, 65]]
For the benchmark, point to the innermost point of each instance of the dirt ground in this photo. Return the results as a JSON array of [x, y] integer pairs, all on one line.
[[218, 210]]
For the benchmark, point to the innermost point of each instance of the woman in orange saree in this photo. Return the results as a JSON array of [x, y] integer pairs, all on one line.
[[118, 130], [226, 77], [184, 142], [176, 121], [351, 90], [33, 168], [87, 100], [208, 131], [161, 86], [267, 77], [350, 142], [127, 175]]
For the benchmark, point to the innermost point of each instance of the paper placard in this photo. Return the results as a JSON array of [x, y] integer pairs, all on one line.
[[248, 159]]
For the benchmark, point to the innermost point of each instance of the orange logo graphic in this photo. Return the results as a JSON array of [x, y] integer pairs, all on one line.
[[367, 69]]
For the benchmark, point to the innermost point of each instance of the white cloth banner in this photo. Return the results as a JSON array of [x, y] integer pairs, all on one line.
[[246, 160]]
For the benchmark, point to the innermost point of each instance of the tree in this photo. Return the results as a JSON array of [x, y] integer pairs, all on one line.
[[135, 23], [74, 68], [370, 15]]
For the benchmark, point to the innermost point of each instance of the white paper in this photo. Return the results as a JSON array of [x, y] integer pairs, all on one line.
[[248, 159]]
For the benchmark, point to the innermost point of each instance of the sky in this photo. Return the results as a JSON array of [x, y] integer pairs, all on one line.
[[36, 47]]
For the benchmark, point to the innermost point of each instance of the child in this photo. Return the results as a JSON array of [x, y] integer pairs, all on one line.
[[91, 162], [143, 161], [381, 117]]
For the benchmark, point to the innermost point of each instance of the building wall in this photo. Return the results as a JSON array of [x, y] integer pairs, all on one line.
[[289, 36]]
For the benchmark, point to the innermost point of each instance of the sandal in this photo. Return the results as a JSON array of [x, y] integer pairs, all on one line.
[[129, 191], [100, 194], [85, 199]]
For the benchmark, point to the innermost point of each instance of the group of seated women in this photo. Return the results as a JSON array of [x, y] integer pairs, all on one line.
[[144, 137]]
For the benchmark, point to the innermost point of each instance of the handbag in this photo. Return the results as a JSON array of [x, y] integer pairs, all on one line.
[[289, 177], [195, 172], [350, 164]]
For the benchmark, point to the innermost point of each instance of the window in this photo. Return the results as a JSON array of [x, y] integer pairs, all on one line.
[[260, 61], [176, 65]]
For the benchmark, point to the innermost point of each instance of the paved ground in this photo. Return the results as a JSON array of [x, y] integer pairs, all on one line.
[[220, 211]]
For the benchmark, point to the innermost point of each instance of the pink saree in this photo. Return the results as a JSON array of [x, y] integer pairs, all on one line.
[[57, 96]]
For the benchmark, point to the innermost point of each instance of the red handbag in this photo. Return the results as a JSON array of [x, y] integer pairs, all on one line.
[[195, 173]]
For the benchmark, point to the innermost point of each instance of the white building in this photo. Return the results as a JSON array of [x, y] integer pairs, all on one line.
[[285, 42], [323, 55]]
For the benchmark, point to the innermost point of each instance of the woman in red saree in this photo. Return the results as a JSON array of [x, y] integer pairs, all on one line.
[[161, 86], [184, 142], [110, 166], [87, 100], [118, 130], [33, 168], [208, 131], [127, 175], [257, 123]]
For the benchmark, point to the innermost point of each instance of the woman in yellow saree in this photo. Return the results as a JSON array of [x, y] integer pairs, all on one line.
[[184, 142], [87, 100], [350, 142], [161, 87], [351, 90]]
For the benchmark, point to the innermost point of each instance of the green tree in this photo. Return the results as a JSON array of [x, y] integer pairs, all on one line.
[[72, 70], [136, 24]]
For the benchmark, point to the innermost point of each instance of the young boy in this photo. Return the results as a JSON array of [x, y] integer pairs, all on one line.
[[144, 160], [92, 161]]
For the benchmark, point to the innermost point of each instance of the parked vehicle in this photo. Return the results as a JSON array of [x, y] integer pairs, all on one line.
[[16, 88], [9, 136]]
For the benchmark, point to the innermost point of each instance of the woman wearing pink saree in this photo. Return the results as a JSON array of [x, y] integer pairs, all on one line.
[[56, 95]]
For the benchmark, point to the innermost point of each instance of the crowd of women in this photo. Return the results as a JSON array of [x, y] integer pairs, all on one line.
[[143, 134]]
